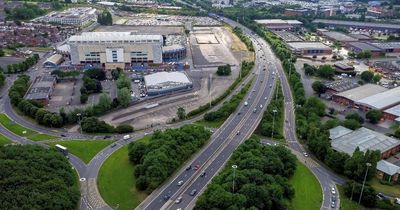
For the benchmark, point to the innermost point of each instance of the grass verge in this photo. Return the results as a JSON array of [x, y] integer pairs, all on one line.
[[4, 140], [213, 124], [84, 149], [22, 131], [386, 189], [346, 203], [116, 182], [308, 193]]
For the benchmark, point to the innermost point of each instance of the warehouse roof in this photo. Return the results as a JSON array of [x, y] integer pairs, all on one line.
[[361, 92], [386, 45], [341, 37], [387, 167], [54, 59], [162, 79], [278, 21], [364, 46], [341, 85], [365, 139], [382, 100], [356, 23], [338, 131], [287, 36], [111, 37], [394, 111], [308, 45], [360, 36]]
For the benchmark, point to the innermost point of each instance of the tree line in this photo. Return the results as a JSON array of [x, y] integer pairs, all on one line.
[[23, 66], [105, 18], [33, 177], [166, 151], [25, 12], [260, 180], [244, 38], [272, 121], [228, 107], [244, 71]]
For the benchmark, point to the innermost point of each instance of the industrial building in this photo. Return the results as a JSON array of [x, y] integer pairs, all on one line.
[[347, 141], [166, 82], [288, 36], [78, 16], [115, 49], [53, 61], [388, 47], [279, 24], [394, 28], [349, 97], [41, 89], [309, 48], [387, 171], [338, 86], [335, 36], [392, 113], [380, 101], [358, 47], [344, 68]]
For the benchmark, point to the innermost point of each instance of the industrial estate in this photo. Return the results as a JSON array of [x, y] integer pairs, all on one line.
[[200, 104]]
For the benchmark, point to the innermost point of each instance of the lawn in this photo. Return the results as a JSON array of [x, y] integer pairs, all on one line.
[[346, 203], [213, 124], [4, 140], [116, 182], [386, 189], [84, 149], [22, 131], [308, 193]]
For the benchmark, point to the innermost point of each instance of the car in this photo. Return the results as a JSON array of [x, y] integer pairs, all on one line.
[[167, 196], [193, 193], [255, 110], [178, 200], [265, 98], [246, 103], [188, 168], [180, 183], [270, 86], [113, 145], [63, 135], [238, 133], [107, 137], [305, 154], [196, 167], [334, 198], [333, 204], [261, 81], [333, 191], [254, 90], [261, 106], [203, 174], [239, 113]]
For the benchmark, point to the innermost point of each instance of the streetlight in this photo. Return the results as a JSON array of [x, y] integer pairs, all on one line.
[[79, 122], [233, 180], [273, 123], [365, 177]]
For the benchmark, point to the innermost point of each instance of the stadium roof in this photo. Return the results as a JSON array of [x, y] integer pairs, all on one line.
[[341, 37], [361, 92], [173, 48], [382, 100], [308, 45], [365, 139], [115, 37], [164, 79], [387, 167], [359, 24]]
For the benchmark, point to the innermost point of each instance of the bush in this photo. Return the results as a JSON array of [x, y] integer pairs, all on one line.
[[224, 70], [84, 98], [93, 125], [124, 129]]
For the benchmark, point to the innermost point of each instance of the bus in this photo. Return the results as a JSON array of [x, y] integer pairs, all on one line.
[[62, 149]]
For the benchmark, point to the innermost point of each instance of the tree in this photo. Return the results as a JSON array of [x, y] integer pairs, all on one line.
[[2, 53], [124, 97], [309, 69], [367, 76], [376, 78], [351, 124], [319, 87], [181, 113], [356, 166], [84, 98], [2, 79], [123, 82], [374, 116], [104, 102], [365, 54], [326, 71], [353, 190], [137, 150], [355, 116], [224, 70], [105, 18], [124, 129]]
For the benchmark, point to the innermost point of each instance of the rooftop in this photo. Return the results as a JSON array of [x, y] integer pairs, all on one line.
[[54, 59], [386, 45], [164, 79], [341, 85], [387, 167], [287, 36], [382, 100], [361, 92], [308, 45], [356, 23], [365, 139], [394, 110], [278, 21], [341, 37], [364, 46], [115, 37], [172, 47], [338, 131]]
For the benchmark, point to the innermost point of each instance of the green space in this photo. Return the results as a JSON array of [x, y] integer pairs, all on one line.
[[4, 140], [22, 131], [346, 203], [84, 149], [116, 181], [212, 124], [308, 193], [392, 190]]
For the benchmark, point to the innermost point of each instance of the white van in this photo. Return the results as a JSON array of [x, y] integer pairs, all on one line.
[[126, 137]]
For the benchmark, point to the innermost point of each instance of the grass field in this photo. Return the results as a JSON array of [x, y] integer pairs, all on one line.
[[386, 189], [84, 149], [22, 131], [4, 140], [116, 182], [308, 193]]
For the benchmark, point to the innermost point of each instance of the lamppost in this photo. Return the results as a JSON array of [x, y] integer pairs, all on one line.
[[79, 122], [365, 178], [233, 180], [273, 123]]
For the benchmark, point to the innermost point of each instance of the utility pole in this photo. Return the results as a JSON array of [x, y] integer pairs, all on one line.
[[234, 167], [365, 178], [79, 122], [273, 123]]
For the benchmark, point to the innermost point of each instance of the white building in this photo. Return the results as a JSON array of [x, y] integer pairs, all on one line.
[[78, 16], [115, 49], [166, 82]]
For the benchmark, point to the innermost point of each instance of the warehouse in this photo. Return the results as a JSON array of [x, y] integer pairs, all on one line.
[[346, 141], [41, 89], [279, 24], [380, 101], [115, 49], [388, 47], [54, 61], [166, 82], [358, 47], [309, 48], [395, 28], [334, 36], [349, 97], [387, 171], [338, 86], [392, 113], [288, 36]]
